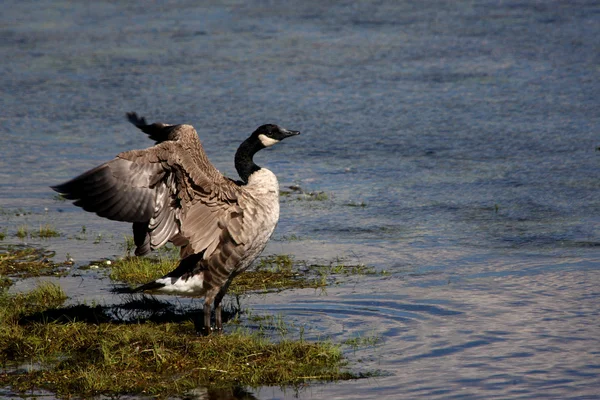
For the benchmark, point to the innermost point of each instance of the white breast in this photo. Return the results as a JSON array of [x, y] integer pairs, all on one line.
[[264, 189]]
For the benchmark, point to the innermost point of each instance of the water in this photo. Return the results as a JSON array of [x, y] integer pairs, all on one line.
[[469, 130]]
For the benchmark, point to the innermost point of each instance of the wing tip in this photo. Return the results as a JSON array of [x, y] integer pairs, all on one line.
[[136, 120], [63, 190]]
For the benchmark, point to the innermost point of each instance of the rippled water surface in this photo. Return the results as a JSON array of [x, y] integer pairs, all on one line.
[[466, 131]]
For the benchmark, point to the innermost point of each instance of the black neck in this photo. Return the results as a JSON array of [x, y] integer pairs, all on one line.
[[244, 164]]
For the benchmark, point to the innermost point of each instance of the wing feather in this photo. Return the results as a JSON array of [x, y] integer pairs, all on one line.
[[171, 192]]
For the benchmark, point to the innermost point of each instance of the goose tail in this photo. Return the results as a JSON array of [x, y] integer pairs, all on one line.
[[154, 285]]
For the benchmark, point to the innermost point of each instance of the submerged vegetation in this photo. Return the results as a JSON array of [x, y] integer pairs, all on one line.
[[274, 273], [27, 262], [356, 204], [77, 357], [301, 194]]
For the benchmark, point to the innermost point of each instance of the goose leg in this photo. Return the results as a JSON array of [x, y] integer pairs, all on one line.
[[218, 321], [206, 326], [218, 308]]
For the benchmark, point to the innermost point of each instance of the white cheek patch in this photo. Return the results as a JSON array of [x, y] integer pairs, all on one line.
[[267, 141]]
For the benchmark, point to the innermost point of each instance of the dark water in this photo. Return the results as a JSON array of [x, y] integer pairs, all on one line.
[[469, 129]]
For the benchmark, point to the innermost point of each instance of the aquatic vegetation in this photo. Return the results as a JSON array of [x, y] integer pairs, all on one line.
[[356, 204], [59, 197], [339, 268], [269, 274], [22, 232], [301, 194], [274, 273], [292, 189], [17, 213], [83, 358], [45, 231], [291, 238], [27, 262], [314, 196], [129, 245], [363, 341], [98, 238]]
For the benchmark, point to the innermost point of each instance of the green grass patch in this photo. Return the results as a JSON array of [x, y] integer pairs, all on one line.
[[46, 296], [140, 270], [74, 357], [5, 281], [270, 274]]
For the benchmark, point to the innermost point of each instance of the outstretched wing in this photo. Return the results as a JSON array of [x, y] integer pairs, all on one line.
[[157, 131], [170, 191]]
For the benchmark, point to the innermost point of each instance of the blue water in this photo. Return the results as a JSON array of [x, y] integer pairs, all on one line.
[[468, 129]]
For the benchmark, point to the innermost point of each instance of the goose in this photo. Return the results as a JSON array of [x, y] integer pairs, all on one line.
[[172, 193]]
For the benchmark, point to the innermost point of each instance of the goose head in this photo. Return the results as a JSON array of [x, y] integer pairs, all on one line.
[[270, 134]]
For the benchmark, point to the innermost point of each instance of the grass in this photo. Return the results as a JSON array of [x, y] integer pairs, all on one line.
[[22, 232], [273, 273], [78, 358], [140, 270], [270, 274], [27, 262], [146, 346], [5, 281], [45, 231]]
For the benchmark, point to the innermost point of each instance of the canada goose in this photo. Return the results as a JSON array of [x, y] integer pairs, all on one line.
[[172, 193]]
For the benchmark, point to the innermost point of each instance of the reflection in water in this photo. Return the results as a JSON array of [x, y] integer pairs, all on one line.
[[220, 394]]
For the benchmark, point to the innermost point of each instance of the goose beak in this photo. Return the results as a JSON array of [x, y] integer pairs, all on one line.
[[287, 133]]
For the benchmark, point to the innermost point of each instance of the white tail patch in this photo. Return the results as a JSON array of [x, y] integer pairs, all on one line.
[[267, 141], [194, 285]]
